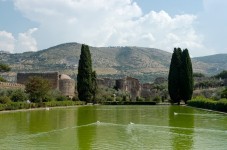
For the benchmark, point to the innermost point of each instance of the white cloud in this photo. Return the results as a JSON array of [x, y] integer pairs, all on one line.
[[24, 42], [109, 23], [7, 41]]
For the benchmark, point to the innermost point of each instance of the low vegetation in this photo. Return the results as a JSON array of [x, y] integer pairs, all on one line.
[[207, 103], [19, 99]]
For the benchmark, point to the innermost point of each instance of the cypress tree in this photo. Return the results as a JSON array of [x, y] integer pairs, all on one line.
[[187, 82], [84, 77], [174, 80], [94, 86]]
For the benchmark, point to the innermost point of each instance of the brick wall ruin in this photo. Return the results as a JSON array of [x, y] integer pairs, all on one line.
[[129, 85], [52, 77], [61, 82]]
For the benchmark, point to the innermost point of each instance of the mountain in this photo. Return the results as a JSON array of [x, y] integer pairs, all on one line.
[[140, 62], [214, 63]]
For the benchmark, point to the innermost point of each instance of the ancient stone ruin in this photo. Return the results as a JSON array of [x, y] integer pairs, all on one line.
[[129, 85], [60, 82], [7, 85]]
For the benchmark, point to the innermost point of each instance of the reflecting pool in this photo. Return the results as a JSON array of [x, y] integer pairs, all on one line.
[[114, 127]]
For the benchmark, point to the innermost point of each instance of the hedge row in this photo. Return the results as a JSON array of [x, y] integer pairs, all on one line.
[[127, 103], [24, 105], [201, 102]]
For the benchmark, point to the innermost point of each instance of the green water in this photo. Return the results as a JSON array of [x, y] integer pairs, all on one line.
[[114, 127]]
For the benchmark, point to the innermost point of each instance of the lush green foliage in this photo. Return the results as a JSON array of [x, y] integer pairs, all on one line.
[[4, 68], [224, 93], [180, 79], [24, 105], [198, 75], [222, 75], [19, 96], [38, 89], [17, 99], [174, 76], [2, 79], [187, 82], [4, 99], [84, 77], [201, 102], [207, 83], [94, 87]]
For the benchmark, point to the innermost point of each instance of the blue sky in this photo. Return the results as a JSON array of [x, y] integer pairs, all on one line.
[[31, 25]]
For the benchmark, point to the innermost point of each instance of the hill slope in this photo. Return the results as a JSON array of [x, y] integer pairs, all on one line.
[[143, 63]]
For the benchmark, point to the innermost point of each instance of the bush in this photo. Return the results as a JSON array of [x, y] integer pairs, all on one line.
[[2, 79], [140, 99], [224, 93], [75, 98], [110, 98], [19, 96], [206, 103], [124, 98], [118, 99], [4, 100], [61, 98], [157, 99], [62, 103]]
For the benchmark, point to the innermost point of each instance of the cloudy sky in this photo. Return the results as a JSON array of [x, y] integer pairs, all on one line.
[[31, 25]]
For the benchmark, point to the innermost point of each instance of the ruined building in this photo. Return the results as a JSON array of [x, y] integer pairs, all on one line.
[[60, 82], [129, 85], [107, 82]]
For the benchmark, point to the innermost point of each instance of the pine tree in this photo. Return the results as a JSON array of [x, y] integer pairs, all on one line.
[[187, 82], [174, 80], [84, 77]]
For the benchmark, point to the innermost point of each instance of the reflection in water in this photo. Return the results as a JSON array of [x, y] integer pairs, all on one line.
[[181, 122], [86, 131]]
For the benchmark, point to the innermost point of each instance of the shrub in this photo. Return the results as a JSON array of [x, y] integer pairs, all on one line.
[[118, 99], [157, 99], [148, 99], [140, 99], [19, 96], [124, 98], [4, 100], [75, 98], [61, 98], [110, 98], [224, 93], [206, 103]]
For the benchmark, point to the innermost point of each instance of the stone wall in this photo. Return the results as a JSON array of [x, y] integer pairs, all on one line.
[[129, 85], [67, 87], [52, 77], [7, 85], [108, 82]]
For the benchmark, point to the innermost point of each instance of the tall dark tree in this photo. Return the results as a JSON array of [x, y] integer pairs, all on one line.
[[180, 81], [94, 86], [84, 77], [174, 80], [187, 82]]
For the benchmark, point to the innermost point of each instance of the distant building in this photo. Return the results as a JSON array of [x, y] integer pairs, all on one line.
[[129, 85], [60, 82], [108, 82]]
